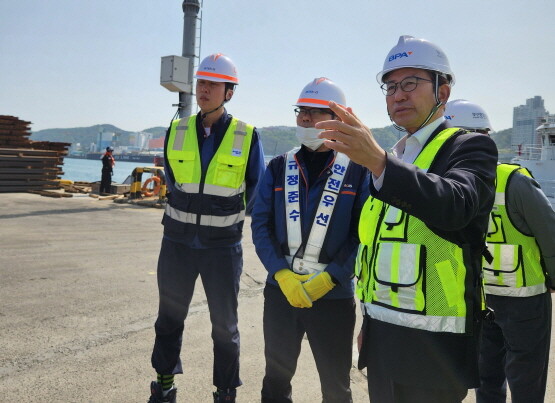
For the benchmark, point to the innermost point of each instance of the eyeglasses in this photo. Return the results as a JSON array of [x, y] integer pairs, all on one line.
[[313, 113], [407, 84]]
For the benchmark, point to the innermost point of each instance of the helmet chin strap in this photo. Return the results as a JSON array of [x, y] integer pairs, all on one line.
[[432, 112], [202, 116]]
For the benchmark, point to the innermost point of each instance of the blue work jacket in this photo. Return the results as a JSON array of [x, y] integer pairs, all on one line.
[[269, 227]]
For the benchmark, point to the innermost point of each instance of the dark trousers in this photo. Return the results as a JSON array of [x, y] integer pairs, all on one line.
[[220, 271], [382, 388], [329, 327], [106, 182], [515, 349]]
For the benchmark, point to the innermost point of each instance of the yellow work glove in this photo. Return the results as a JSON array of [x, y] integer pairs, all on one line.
[[318, 285], [292, 289], [302, 277]]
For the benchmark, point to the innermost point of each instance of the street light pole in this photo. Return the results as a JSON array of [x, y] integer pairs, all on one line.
[[191, 9]]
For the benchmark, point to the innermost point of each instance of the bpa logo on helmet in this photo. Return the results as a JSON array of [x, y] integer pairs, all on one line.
[[416, 53], [399, 55]]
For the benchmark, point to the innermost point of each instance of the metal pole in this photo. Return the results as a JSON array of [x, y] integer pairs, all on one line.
[[191, 9]]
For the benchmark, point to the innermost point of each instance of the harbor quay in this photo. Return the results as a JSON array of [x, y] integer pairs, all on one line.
[[78, 301]]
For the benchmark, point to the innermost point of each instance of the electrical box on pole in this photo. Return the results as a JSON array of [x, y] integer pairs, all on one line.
[[177, 71], [174, 74]]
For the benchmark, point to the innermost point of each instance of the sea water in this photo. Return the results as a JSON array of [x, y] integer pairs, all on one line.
[[84, 170], [77, 169]]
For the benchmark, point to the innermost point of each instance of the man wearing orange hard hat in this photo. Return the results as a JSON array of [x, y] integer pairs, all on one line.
[[213, 162]]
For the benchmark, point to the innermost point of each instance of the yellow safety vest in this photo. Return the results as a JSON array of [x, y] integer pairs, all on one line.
[[408, 275], [516, 270], [223, 183]]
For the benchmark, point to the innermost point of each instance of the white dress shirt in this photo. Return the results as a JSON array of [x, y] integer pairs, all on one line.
[[408, 148]]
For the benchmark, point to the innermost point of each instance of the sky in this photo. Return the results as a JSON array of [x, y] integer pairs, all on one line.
[[78, 63]]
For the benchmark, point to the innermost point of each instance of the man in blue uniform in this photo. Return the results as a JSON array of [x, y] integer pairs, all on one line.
[[108, 163], [213, 163], [304, 226], [521, 238]]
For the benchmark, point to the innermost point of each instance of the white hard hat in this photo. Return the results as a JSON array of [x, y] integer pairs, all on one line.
[[419, 54], [219, 68], [467, 115], [319, 92]]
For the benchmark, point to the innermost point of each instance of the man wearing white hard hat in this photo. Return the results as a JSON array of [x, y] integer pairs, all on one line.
[[422, 233], [213, 162], [467, 115], [304, 227], [521, 239]]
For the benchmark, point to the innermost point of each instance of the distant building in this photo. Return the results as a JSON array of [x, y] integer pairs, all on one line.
[[526, 118], [140, 140], [103, 140], [156, 143]]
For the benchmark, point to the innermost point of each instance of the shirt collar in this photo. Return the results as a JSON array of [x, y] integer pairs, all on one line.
[[417, 138], [424, 134]]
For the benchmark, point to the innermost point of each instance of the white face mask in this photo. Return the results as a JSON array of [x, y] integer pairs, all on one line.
[[309, 137]]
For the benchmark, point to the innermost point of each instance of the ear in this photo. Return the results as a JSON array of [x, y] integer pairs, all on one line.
[[228, 95], [444, 93]]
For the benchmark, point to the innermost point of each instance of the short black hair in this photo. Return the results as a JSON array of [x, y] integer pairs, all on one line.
[[228, 86], [442, 78]]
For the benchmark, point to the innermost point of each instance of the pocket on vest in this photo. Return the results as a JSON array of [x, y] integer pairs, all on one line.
[[229, 171], [182, 164], [505, 270], [398, 270]]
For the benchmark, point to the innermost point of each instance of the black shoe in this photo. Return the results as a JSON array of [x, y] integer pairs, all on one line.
[[225, 396], [156, 395]]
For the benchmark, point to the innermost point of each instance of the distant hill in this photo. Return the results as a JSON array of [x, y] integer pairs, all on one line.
[[275, 139], [502, 139]]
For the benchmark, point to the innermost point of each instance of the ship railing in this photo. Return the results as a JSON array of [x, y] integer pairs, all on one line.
[[530, 152], [548, 153]]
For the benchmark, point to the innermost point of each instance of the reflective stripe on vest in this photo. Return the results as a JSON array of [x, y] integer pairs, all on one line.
[[424, 322], [516, 270], [211, 189], [208, 220], [182, 151], [408, 275], [225, 176], [309, 262]]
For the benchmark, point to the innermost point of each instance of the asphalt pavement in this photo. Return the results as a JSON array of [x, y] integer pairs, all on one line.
[[78, 301]]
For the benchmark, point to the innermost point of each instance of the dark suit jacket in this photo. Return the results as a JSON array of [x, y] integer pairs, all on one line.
[[454, 198]]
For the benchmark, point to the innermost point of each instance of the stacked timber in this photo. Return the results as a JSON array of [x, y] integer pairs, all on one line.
[[27, 165]]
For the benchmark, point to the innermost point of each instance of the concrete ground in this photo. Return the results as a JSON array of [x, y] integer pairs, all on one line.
[[78, 301]]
